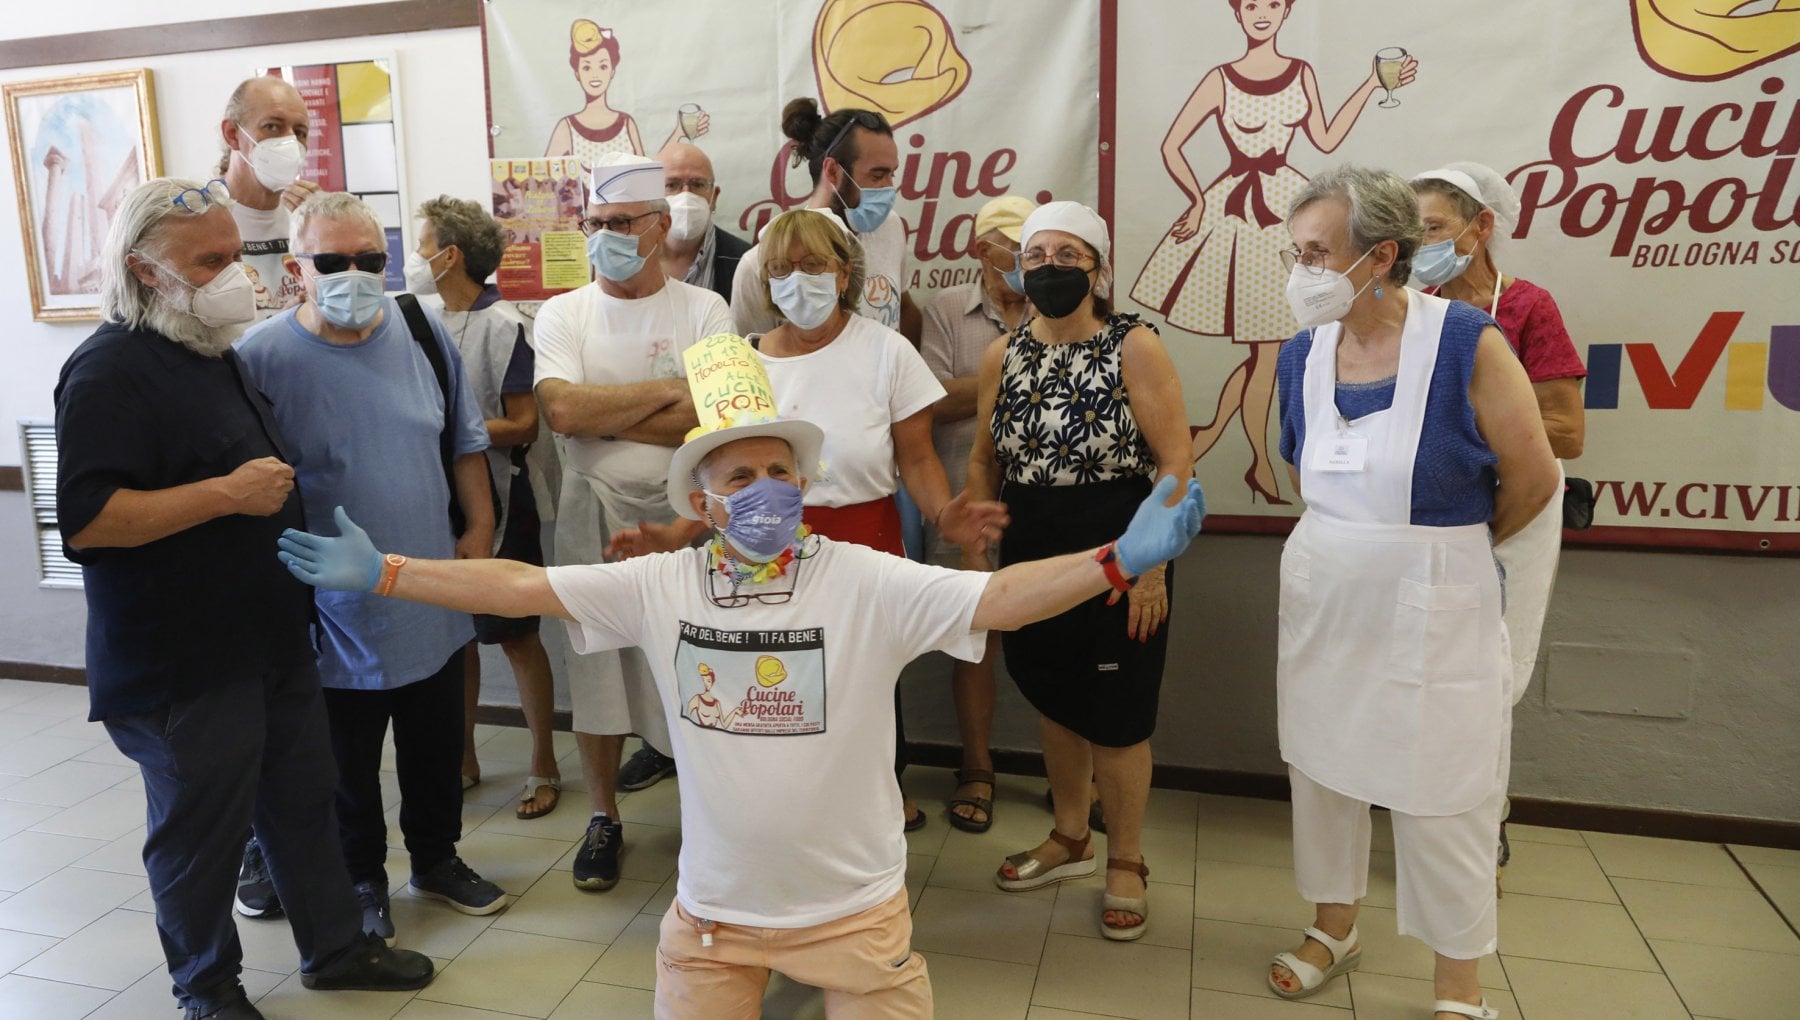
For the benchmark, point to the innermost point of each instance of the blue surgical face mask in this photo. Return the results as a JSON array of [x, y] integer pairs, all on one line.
[[765, 517], [1438, 263], [805, 299], [615, 256], [1015, 278], [872, 211], [350, 299]]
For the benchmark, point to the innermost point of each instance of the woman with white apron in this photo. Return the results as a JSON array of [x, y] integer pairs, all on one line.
[[1412, 435]]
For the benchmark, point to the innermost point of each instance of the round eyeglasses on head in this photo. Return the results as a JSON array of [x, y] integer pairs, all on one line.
[[199, 200]]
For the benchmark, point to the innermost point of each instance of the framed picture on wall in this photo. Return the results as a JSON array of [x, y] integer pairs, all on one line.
[[79, 145]]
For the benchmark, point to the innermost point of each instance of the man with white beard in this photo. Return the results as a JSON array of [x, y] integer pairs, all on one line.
[[169, 461]]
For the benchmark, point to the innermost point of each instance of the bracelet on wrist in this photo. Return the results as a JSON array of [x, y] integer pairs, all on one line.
[[1108, 558], [390, 572]]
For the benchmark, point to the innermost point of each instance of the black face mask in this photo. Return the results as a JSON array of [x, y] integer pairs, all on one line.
[[1055, 290]]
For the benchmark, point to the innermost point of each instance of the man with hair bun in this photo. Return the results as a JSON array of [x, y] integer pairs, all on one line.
[[172, 480]]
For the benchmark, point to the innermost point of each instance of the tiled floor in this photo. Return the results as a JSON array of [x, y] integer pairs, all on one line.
[[1592, 925]]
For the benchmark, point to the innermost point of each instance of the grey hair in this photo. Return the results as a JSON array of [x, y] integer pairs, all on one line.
[[1382, 208], [134, 231], [331, 205], [465, 224]]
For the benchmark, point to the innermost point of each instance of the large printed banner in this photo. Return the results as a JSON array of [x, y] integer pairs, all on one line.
[[1652, 145]]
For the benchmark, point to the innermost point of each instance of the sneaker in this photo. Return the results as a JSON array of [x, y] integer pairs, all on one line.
[[597, 860], [376, 920], [645, 769], [372, 967], [458, 885], [255, 891], [232, 1005]]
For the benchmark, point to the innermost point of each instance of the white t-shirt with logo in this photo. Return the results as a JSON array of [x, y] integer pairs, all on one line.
[[855, 388], [591, 338], [265, 236], [781, 717], [884, 257]]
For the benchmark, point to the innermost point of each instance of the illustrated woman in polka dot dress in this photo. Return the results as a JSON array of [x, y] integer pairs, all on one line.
[[597, 128], [1218, 270]]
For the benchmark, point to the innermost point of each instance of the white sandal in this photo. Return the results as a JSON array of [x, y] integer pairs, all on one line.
[[1344, 959], [1481, 1012], [529, 794]]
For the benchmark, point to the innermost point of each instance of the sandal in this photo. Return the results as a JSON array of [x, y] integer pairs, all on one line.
[[1125, 904], [1481, 1012], [1030, 873], [1344, 959], [530, 795], [470, 782], [985, 805], [915, 823], [1096, 816]]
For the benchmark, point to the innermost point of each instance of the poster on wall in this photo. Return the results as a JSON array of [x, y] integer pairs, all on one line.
[[538, 204], [352, 141], [576, 78], [1651, 146]]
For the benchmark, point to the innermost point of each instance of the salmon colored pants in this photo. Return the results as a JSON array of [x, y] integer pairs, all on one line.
[[864, 963]]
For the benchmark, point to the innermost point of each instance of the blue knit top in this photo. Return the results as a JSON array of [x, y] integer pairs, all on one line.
[[1453, 474]]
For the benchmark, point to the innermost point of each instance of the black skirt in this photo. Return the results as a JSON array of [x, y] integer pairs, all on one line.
[[1082, 669]]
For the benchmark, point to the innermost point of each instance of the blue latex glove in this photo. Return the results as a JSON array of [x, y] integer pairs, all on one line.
[[346, 563], [1158, 533]]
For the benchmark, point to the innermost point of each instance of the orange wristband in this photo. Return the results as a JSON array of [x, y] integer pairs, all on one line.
[[390, 572]]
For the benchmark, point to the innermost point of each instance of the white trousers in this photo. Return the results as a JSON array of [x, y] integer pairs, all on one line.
[[1444, 865]]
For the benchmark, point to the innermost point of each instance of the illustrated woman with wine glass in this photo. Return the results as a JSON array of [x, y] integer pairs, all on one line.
[[1218, 272], [597, 128]]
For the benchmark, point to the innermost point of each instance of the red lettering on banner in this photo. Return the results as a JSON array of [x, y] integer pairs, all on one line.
[[1664, 391]]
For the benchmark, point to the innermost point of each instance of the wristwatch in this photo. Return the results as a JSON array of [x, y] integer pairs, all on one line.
[[390, 572], [1108, 558]]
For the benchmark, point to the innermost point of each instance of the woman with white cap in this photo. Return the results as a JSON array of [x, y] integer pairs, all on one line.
[[1083, 412], [1466, 204], [1410, 430]]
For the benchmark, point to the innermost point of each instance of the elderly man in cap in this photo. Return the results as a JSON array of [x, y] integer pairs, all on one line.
[[609, 378], [376, 404], [960, 323], [790, 644], [698, 251], [264, 131], [169, 460]]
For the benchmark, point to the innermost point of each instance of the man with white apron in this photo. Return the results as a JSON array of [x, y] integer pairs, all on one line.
[[610, 381], [1392, 678]]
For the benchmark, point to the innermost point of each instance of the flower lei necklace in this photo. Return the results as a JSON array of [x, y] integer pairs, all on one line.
[[755, 573]]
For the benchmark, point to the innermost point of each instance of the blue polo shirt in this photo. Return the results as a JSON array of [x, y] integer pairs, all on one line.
[[362, 421]]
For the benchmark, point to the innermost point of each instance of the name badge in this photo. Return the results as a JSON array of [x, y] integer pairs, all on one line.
[[1343, 452]]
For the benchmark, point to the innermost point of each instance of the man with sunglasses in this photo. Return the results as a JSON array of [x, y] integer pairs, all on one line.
[[204, 678], [357, 395], [792, 644], [609, 378]]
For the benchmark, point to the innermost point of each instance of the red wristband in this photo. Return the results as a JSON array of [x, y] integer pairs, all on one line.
[[1108, 558], [390, 572]]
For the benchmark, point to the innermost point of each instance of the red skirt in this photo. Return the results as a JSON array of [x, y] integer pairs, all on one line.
[[875, 524]]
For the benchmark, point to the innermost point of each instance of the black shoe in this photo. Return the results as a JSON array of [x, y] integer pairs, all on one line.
[[645, 769], [372, 967], [255, 892], [376, 920], [232, 1005], [597, 862], [457, 884]]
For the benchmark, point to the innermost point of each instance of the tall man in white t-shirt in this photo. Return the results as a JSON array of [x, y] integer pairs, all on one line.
[[790, 858], [264, 130], [609, 378], [855, 173]]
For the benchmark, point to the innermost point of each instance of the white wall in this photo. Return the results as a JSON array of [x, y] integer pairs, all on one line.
[[444, 123]]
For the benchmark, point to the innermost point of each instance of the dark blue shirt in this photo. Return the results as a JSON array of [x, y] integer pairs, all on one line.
[[1453, 474], [171, 619]]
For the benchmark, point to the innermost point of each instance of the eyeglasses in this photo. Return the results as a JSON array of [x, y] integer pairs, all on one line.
[[865, 119], [330, 263], [1313, 259], [999, 256], [198, 200], [1068, 258], [812, 265], [697, 185], [736, 599], [617, 224]]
